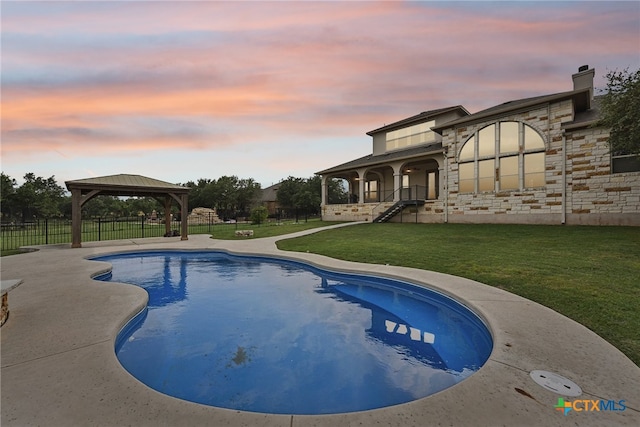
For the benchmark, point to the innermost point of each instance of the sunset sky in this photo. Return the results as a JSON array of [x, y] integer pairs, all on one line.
[[180, 91]]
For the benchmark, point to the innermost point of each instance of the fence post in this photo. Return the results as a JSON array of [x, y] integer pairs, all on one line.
[[142, 219], [99, 229]]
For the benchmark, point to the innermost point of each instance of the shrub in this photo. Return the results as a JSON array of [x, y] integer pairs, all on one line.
[[259, 215]]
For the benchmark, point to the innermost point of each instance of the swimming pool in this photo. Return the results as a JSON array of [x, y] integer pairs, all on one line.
[[276, 336]]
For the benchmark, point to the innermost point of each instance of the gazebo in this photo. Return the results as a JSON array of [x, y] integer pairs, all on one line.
[[83, 190]]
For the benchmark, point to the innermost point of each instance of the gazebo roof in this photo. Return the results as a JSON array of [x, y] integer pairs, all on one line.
[[126, 185], [83, 190]]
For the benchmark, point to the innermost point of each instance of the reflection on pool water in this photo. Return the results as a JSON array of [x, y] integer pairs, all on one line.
[[274, 336]]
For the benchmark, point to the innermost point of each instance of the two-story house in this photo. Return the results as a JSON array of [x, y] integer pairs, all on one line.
[[539, 160]]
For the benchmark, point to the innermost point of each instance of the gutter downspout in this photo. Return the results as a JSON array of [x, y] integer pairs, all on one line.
[[446, 187], [563, 203]]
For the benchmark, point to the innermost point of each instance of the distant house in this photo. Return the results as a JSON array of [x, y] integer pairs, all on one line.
[[269, 199], [537, 160]]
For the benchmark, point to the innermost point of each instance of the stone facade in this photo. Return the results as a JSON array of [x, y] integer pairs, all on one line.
[[592, 194], [595, 195], [579, 186]]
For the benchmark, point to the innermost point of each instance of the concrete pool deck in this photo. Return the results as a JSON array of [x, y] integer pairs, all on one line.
[[59, 367]]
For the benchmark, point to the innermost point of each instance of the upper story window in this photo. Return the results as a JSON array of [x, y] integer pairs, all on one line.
[[412, 135], [502, 156]]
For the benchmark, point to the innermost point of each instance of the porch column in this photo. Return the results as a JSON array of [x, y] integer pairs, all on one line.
[[323, 191], [397, 182], [361, 175], [442, 176]]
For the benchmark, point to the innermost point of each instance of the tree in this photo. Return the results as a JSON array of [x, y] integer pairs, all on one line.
[[298, 193], [620, 111], [145, 205], [247, 194], [224, 193], [310, 196], [229, 195], [336, 191], [7, 195], [105, 206], [287, 191], [39, 197], [197, 195]]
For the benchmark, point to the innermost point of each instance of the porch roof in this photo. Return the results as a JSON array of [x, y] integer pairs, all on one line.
[[381, 159]]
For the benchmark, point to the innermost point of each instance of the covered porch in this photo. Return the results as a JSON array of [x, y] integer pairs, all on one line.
[[382, 188]]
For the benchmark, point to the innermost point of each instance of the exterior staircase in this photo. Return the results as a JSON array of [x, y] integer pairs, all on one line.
[[396, 209]]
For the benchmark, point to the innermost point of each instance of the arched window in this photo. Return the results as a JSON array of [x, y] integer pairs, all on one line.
[[502, 156]]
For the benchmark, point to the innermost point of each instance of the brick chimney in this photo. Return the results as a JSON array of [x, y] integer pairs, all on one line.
[[583, 79]]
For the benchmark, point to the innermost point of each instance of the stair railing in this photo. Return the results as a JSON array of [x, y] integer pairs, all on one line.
[[413, 192]]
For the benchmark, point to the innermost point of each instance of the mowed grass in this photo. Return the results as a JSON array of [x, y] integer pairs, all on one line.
[[60, 231], [590, 274]]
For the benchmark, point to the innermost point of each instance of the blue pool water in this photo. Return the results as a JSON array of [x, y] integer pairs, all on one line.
[[274, 336]]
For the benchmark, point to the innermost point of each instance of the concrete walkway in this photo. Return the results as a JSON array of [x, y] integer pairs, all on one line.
[[59, 367]]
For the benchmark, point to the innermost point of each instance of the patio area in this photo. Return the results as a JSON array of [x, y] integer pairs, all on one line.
[[59, 366]]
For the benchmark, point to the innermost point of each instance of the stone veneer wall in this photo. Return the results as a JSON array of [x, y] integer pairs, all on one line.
[[535, 205], [347, 212], [431, 212], [593, 194]]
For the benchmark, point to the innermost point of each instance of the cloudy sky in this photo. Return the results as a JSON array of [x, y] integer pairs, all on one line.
[[180, 91]]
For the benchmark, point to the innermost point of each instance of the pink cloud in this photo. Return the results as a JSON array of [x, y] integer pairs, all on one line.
[[207, 75]]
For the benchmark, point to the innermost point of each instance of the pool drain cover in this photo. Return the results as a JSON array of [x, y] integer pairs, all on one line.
[[556, 383]]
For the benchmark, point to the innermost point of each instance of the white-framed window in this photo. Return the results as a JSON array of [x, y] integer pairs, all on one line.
[[502, 156]]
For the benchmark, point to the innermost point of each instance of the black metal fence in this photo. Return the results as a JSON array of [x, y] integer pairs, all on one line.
[[58, 230]]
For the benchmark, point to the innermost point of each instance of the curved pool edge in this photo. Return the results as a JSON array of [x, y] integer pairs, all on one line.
[[464, 362], [70, 373], [326, 264]]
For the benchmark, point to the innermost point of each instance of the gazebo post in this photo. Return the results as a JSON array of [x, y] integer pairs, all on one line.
[[167, 215], [76, 218], [184, 214]]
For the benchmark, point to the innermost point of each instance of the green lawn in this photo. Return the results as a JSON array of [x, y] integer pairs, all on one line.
[[590, 274], [59, 231]]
